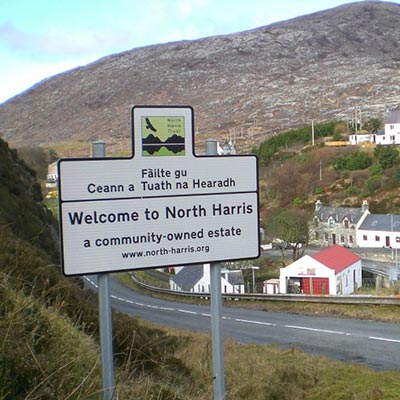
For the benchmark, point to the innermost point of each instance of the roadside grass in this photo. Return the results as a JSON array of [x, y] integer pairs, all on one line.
[[52, 205], [261, 372]]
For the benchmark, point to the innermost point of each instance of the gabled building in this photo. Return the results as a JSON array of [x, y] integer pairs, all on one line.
[[379, 230], [196, 278], [336, 225], [391, 135], [334, 270]]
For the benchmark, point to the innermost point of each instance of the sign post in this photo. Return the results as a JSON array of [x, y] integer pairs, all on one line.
[[216, 315], [105, 316]]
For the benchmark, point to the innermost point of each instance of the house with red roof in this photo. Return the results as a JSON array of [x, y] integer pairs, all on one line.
[[332, 271]]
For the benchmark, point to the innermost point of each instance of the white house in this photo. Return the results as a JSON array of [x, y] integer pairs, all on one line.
[[388, 136], [196, 278], [391, 134], [52, 175], [334, 270], [379, 230]]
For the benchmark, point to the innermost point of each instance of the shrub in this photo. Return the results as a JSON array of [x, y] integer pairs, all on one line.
[[357, 160], [387, 156]]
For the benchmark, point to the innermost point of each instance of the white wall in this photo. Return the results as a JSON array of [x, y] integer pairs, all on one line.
[[345, 279], [362, 138], [391, 136], [307, 267], [377, 239]]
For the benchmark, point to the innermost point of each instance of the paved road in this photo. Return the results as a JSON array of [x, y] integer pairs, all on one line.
[[375, 344]]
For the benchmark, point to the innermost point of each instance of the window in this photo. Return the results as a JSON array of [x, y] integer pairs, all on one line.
[[315, 221], [326, 237], [316, 235], [351, 240], [346, 223], [377, 238], [391, 127], [341, 238], [331, 222], [392, 138], [365, 238]]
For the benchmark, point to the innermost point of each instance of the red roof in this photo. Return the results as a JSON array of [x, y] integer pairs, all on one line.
[[336, 257]]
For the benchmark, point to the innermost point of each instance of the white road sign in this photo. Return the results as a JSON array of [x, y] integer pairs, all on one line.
[[162, 207]]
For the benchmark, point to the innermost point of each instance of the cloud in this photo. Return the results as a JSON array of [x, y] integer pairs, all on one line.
[[57, 42]]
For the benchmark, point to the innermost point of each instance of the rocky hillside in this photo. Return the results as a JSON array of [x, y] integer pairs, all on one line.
[[248, 85]]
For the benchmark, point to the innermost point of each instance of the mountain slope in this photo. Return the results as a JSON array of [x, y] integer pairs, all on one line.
[[254, 83]]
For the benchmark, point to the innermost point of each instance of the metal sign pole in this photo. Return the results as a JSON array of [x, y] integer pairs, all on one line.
[[105, 321], [216, 313]]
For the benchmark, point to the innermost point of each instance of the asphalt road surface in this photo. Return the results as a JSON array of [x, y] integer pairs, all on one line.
[[371, 343]]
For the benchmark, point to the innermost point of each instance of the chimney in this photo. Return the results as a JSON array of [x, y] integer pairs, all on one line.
[[318, 205], [364, 206]]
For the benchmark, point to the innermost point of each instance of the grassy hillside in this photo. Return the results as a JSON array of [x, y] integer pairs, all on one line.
[[49, 346]]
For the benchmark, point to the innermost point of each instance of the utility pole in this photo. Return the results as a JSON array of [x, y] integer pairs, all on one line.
[[320, 170], [312, 132]]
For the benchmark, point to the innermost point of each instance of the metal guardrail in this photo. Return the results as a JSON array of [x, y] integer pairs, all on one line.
[[339, 299]]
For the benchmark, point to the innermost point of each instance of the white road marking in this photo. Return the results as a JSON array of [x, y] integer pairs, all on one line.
[[315, 330], [91, 282], [247, 321], [384, 339], [187, 312]]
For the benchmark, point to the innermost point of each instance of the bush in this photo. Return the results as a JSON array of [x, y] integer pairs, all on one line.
[[387, 156], [357, 160]]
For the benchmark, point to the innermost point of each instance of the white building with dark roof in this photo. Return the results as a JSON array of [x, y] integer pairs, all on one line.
[[391, 135], [379, 230], [196, 278]]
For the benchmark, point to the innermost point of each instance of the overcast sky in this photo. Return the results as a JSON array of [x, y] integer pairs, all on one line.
[[40, 38]]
